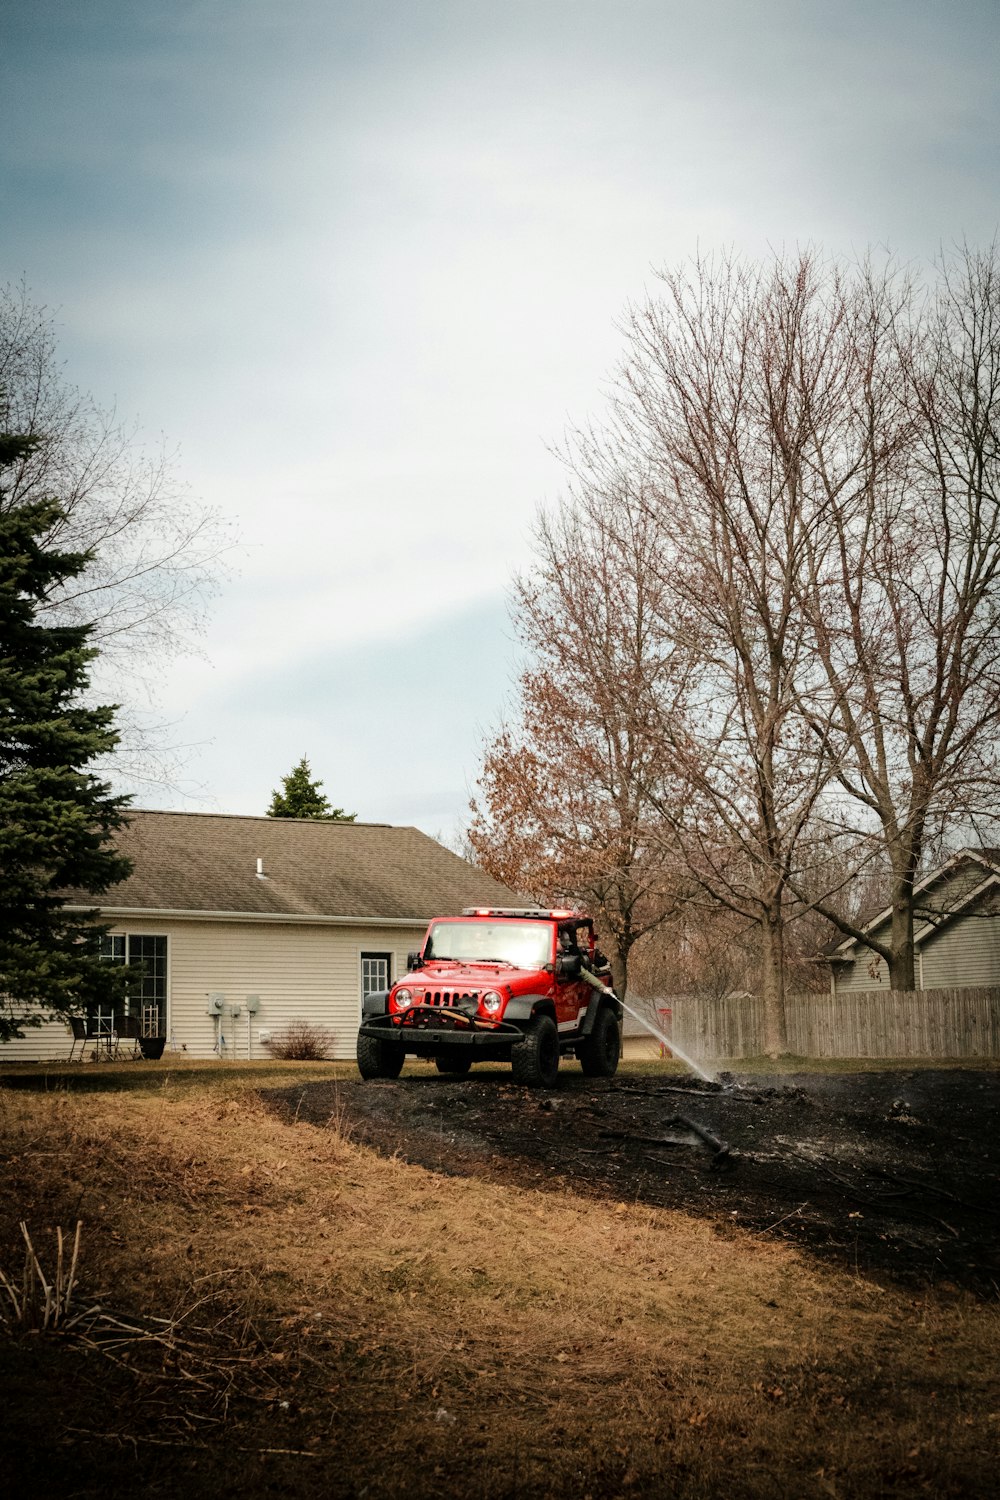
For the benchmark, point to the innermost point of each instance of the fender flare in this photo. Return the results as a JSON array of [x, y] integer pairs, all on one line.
[[523, 1007], [597, 1001], [375, 1003]]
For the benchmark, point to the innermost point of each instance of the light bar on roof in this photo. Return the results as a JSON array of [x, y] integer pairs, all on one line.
[[519, 911]]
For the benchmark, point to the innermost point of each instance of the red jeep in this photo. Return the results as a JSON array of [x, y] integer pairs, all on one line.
[[497, 984]]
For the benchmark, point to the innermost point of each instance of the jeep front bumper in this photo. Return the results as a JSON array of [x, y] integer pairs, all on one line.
[[423, 1030]]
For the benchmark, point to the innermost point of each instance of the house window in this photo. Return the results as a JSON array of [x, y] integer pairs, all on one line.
[[376, 972], [147, 996], [101, 1016]]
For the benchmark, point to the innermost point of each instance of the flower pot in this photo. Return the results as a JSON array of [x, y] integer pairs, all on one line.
[[152, 1047]]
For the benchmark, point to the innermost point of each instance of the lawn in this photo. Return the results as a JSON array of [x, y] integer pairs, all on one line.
[[266, 1306]]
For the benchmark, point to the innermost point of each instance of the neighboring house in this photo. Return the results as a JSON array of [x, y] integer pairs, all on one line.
[[244, 924], [956, 931]]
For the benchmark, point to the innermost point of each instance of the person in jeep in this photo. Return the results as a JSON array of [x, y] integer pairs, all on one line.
[[567, 941]]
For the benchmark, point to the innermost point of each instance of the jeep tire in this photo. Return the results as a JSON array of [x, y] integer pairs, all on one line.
[[456, 1063], [379, 1059], [598, 1052], [535, 1058]]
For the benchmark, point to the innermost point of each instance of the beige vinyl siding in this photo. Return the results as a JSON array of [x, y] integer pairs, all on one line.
[[867, 972], [300, 971], [966, 952], [642, 1048], [309, 972], [49, 1042], [952, 889]]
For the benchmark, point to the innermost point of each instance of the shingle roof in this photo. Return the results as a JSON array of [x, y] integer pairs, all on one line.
[[207, 862]]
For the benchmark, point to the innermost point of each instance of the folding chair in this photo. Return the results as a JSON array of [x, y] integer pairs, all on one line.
[[127, 1037], [81, 1036]]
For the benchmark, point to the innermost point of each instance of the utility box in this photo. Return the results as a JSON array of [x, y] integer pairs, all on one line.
[[215, 1003], [253, 1004]]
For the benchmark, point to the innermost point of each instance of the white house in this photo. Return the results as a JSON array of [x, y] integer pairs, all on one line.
[[244, 924]]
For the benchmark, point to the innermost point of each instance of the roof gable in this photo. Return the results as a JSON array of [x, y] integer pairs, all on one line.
[[208, 862], [939, 897]]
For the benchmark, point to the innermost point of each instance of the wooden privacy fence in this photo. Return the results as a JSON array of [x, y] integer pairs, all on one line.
[[868, 1023]]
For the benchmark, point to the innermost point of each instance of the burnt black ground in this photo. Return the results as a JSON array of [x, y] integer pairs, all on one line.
[[891, 1174]]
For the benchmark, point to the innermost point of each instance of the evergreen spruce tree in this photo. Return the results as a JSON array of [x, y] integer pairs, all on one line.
[[57, 820], [301, 797]]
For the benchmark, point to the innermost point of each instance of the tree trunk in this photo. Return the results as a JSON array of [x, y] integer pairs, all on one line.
[[772, 971], [618, 955], [902, 964]]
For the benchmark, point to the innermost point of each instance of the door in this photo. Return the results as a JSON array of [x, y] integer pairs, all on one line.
[[573, 995], [376, 973]]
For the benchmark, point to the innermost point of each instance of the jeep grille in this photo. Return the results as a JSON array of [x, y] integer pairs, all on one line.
[[446, 997]]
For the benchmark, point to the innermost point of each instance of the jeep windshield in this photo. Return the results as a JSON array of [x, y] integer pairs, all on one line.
[[523, 945]]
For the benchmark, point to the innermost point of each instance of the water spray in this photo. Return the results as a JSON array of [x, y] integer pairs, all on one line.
[[661, 1036]]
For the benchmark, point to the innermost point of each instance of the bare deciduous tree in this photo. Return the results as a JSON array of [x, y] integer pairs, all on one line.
[[905, 605], [563, 813], [810, 453], [735, 390], [155, 552]]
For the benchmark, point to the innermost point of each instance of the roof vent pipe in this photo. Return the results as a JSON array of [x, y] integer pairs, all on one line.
[[260, 869]]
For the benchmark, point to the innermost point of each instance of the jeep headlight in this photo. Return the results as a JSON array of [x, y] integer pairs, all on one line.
[[492, 1001], [403, 999]]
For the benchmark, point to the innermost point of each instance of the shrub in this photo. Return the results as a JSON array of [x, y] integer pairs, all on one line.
[[300, 1041], [37, 1301]]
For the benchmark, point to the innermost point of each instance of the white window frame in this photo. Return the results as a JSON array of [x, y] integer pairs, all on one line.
[[369, 956], [149, 1023]]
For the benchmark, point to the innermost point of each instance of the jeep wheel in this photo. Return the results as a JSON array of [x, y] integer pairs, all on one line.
[[598, 1053], [378, 1059], [535, 1059], [457, 1064]]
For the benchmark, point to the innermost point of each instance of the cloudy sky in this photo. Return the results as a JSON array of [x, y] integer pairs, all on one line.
[[360, 261]]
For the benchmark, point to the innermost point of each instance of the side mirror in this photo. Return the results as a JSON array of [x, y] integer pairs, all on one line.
[[413, 961], [568, 965]]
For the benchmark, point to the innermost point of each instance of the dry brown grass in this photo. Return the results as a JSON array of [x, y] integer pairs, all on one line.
[[345, 1323]]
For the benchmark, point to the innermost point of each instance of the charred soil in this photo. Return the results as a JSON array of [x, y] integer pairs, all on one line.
[[888, 1174]]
